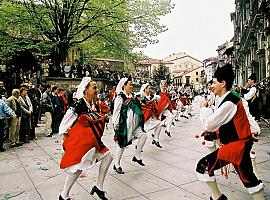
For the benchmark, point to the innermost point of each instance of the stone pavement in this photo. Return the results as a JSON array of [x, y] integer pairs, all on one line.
[[32, 172]]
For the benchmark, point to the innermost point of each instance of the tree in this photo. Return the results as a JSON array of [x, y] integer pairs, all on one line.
[[16, 32], [161, 73], [116, 24]]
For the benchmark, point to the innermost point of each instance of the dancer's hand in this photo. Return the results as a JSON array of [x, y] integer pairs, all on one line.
[[204, 103], [116, 127], [255, 137]]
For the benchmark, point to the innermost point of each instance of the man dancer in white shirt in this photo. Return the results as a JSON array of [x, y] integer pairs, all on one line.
[[231, 119]]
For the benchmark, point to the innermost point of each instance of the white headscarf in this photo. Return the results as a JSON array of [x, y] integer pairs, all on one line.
[[120, 85], [162, 81], [144, 86], [81, 87]]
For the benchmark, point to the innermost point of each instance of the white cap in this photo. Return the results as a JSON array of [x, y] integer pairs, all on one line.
[[120, 85], [81, 87], [162, 81], [144, 86]]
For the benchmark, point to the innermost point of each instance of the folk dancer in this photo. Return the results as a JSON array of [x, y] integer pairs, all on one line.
[[165, 107], [211, 140], [82, 127], [152, 123], [128, 123], [235, 134]]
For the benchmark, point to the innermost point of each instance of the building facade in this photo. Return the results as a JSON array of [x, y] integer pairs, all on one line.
[[251, 39], [192, 77], [181, 65], [146, 68]]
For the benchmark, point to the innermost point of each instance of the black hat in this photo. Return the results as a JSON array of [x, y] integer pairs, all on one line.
[[225, 73], [252, 77]]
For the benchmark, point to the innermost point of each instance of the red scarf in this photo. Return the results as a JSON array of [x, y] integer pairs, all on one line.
[[149, 110], [164, 100]]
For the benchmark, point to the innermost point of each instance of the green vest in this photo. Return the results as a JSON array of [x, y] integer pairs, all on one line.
[[121, 133]]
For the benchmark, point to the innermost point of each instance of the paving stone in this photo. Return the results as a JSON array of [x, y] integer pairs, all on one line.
[[32, 171]]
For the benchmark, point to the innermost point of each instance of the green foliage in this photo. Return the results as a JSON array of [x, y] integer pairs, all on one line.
[[16, 32], [101, 28], [161, 73]]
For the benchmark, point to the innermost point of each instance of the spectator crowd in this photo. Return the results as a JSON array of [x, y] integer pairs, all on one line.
[[20, 113]]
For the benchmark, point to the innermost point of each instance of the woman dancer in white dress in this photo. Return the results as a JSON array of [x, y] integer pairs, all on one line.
[[152, 123], [82, 127], [128, 123]]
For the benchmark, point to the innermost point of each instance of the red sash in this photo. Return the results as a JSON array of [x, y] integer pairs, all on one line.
[[149, 110], [81, 138], [164, 99]]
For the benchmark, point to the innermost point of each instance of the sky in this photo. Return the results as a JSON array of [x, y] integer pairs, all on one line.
[[196, 27]]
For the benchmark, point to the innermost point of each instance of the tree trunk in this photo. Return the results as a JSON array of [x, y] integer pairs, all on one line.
[[60, 53]]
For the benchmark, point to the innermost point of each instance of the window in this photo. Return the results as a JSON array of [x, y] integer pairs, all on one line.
[[197, 80], [197, 73], [187, 79]]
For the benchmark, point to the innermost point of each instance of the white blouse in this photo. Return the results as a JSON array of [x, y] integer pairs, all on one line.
[[213, 120]]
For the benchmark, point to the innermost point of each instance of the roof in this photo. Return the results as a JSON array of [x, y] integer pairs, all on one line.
[[182, 55], [186, 72], [150, 61]]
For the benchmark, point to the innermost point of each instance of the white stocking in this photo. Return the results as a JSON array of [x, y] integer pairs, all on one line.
[[118, 156], [70, 180], [103, 168], [212, 149], [157, 131], [141, 142], [254, 166], [216, 194]]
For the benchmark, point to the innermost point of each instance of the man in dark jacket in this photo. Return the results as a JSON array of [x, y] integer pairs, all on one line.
[[47, 106]]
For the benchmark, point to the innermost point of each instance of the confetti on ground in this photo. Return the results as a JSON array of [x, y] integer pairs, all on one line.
[[44, 168], [29, 149], [52, 176], [56, 141], [83, 175], [12, 193], [7, 196]]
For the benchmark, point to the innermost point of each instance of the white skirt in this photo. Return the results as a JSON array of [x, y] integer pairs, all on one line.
[[90, 158]]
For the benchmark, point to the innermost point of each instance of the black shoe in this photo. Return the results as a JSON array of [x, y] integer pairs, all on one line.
[[61, 198], [12, 145], [176, 120], [168, 133], [2, 149], [101, 194], [222, 197], [27, 141], [49, 135], [156, 143], [19, 144], [173, 124], [119, 170], [134, 159], [152, 135]]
